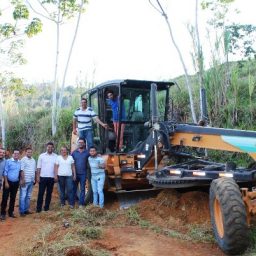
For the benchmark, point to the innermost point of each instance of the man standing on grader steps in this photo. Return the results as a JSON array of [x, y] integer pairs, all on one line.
[[82, 119]]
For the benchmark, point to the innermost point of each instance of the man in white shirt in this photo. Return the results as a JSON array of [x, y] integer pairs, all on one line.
[[82, 119], [45, 177], [27, 180]]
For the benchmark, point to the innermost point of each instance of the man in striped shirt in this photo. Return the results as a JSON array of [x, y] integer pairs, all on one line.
[[82, 119], [27, 180]]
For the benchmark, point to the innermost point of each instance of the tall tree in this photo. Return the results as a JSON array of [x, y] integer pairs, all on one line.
[[160, 9], [59, 12], [218, 20], [198, 59], [12, 36]]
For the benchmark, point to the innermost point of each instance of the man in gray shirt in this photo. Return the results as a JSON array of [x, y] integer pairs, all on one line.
[[2, 163]]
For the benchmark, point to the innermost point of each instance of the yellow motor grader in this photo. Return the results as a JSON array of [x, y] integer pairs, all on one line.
[[151, 136]]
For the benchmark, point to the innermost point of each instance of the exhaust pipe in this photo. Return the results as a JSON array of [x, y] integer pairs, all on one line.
[[154, 119], [153, 97]]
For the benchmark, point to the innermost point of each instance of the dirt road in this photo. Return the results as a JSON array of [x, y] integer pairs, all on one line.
[[16, 235]]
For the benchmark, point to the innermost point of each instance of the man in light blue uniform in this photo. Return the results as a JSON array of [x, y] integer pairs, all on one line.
[[11, 184], [97, 165], [82, 119]]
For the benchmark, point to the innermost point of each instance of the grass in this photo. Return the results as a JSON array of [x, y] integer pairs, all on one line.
[[201, 233], [70, 231], [251, 251], [91, 232], [133, 216]]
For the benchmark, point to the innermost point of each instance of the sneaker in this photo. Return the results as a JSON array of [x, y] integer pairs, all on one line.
[[71, 206], [12, 215], [2, 217], [22, 215], [80, 207], [28, 212]]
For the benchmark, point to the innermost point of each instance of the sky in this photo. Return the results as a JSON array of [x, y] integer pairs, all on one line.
[[121, 39]]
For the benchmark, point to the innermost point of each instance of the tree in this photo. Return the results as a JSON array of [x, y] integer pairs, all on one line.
[[160, 9], [218, 79], [198, 59], [240, 40], [59, 12], [12, 36]]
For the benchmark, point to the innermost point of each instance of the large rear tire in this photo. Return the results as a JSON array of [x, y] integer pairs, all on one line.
[[228, 216]]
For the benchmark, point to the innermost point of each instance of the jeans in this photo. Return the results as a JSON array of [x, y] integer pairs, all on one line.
[[80, 178], [25, 196], [97, 181], [66, 183], [46, 183], [88, 136], [12, 191]]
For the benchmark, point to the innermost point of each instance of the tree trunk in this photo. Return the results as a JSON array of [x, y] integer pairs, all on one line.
[[188, 83], [55, 82], [200, 65], [68, 60]]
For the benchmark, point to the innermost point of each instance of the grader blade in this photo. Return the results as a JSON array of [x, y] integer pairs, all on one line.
[[129, 198]]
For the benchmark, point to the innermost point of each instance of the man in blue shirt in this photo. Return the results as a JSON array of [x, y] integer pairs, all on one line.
[[2, 164], [11, 184], [81, 158], [113, 101]]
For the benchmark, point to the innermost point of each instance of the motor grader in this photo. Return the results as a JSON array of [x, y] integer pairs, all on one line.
[[152, 137]]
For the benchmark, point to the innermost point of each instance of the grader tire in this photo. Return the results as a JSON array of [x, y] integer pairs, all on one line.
[[228, 216]]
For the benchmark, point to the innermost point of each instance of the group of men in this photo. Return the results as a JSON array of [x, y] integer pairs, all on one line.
[[16, 174], [25, 173]]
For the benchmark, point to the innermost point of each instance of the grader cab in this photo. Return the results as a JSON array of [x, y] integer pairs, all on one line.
[[151, 138]]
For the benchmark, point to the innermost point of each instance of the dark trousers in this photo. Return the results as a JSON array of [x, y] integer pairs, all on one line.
[[12, 191], [80, 179], [46, 183]]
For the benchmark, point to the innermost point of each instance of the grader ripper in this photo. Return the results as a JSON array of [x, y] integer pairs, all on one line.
[[151, 140]]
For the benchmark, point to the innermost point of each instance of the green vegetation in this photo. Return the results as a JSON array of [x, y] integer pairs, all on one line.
[[29, 118], [69, 232], [91, 232], [29, 114]]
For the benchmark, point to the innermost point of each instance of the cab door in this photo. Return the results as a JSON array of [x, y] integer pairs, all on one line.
[[97, 137]]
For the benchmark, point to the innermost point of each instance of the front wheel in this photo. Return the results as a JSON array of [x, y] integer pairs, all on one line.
[[228, 216]]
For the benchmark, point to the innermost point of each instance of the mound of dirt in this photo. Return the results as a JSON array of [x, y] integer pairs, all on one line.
[[171, 208]]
